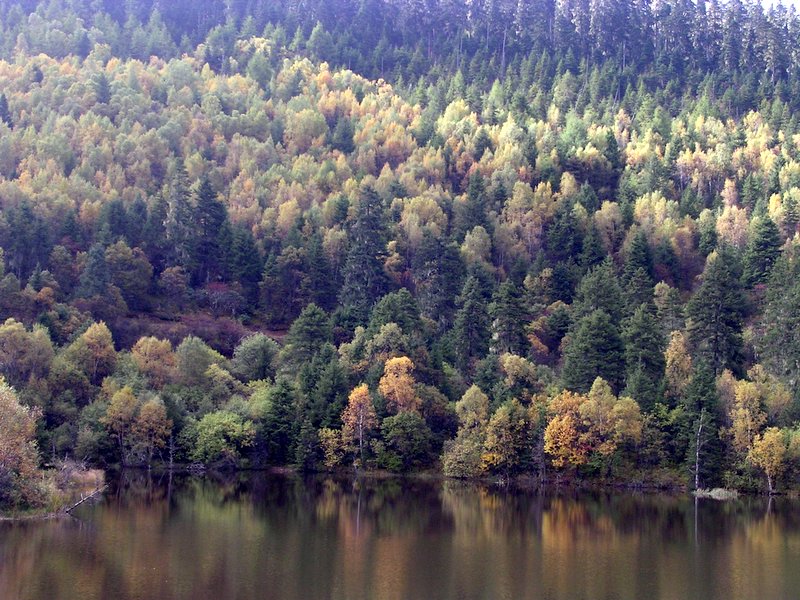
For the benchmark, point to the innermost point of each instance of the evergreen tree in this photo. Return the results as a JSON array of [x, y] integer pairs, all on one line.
[[154, 234], [364, 277], [5, 113], [715, 313], [472, 212], [779, 344], [396, 307], [319, 275], [644, 355], [95, 278], [323, 381], [600, 290], [244, 262], [595, 350], [342, 137], [309, 332], [638, 256], [438, 277], [701, 418], [281, 425], [102, 89], [762, 250], [471, 327], [593, 253], [210, 215], [179, 229], [564, 238], [508, 320]]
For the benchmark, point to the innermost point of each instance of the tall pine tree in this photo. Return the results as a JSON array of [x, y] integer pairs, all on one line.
[[364, 278]]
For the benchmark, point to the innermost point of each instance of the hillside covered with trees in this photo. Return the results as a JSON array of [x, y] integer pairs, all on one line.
[[556, 239]]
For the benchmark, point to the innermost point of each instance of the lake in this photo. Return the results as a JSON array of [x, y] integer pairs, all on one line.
[[286, 537]]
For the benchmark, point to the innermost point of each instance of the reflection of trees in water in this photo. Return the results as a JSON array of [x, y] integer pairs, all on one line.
[[221, 535]]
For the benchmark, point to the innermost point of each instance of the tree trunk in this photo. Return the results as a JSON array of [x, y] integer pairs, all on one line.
[[697, 446]]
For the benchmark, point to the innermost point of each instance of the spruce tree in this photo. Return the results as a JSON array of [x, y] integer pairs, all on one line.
[[471, 328], [342, 137], [5, 113], [281, 425], [308, 333], [96, 277], [508, 320], [600, 290], [209, 217], [319, 276], [644, 355], [364, 278], [762, 250], [179, 228], [715, 313], [397, 307], [595, 349]]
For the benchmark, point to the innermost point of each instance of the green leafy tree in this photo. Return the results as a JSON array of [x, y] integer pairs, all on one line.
[[255, 357], [222, 436], [20, 477], [407, 439], [506, 444]]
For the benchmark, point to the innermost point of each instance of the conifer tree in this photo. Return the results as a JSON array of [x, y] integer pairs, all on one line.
[[471, 327], [595, 349], [715, 313], [762, 251], [644, 356], [364, 277], [210, 216], [508, 320], [5, 113], [96, 277], [307, 335]]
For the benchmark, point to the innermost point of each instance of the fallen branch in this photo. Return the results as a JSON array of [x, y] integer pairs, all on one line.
[[84, 499]]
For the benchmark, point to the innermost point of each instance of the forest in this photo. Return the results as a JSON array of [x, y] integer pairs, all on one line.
[[553, 239]]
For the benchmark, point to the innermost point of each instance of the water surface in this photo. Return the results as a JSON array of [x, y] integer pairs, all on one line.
[[285, 537]]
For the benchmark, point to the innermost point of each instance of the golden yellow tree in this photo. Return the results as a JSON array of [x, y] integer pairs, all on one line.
[[358, 418], [93, 352], [768, 453], [120, 417], [151, 429], [155, 358], [747, 416], [398, 386], [678, 369], [562, 437]]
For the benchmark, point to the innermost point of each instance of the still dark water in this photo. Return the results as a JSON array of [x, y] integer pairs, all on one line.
[[282, 537]]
